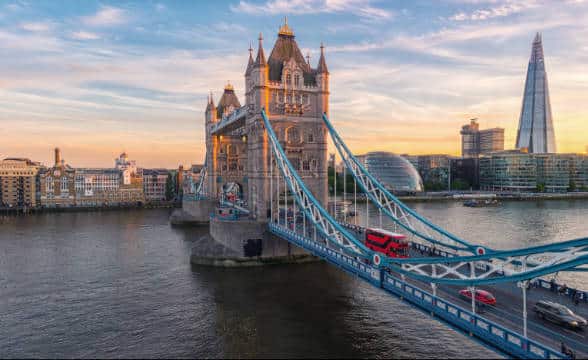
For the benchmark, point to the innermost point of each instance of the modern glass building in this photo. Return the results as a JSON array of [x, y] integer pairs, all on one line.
[[395, 172], [523, 172], [535, 131]]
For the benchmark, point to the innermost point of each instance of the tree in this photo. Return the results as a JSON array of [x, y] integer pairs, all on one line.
[[540, 187], [169, 187]]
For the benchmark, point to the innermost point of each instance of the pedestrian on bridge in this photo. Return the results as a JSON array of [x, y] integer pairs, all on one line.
[[553, 286]]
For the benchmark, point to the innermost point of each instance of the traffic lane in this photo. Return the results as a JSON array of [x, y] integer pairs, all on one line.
[[509, 316]]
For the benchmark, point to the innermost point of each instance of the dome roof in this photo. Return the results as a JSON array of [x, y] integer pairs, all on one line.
[[395, 172]]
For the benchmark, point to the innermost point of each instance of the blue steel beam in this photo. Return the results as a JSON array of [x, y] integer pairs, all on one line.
[[292, 177], [350, 160]]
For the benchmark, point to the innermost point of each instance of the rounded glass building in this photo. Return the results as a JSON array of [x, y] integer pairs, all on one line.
[[395, 172]]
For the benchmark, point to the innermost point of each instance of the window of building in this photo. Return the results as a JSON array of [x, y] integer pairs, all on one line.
[[49, 184], [292, 135], [288, 79], [310, 137], [296, 80], [306, 165], [64, 184]]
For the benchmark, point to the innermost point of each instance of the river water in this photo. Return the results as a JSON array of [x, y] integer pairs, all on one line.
[[119, 284]]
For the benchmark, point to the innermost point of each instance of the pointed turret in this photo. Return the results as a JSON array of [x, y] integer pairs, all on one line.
[[322, 65], [250, 62], [260, 60], [210, 104]]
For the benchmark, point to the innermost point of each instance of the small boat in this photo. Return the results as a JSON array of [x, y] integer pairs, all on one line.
[[481, 203]]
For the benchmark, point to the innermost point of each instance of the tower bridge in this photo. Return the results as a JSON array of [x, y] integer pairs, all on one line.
[[263, 190]]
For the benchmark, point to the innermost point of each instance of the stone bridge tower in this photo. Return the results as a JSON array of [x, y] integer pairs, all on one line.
[[294, 95]]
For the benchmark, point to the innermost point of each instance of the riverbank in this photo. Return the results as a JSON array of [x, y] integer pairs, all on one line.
[[447, 196], [40, 210]]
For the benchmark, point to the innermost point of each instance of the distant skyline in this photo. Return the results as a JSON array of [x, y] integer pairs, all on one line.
[[96, 78]]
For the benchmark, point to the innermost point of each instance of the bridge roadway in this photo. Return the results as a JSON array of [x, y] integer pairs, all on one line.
[[508, 311]]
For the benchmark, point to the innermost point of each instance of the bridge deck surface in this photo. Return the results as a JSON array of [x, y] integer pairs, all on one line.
[[508, 311]]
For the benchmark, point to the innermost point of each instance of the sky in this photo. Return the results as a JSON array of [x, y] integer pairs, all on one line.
[[96, 78]]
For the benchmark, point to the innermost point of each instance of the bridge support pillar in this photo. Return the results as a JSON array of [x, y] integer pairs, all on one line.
[[193, 212], [246, 242]]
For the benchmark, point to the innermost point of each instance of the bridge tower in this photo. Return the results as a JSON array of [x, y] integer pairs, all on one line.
[[294, 96]]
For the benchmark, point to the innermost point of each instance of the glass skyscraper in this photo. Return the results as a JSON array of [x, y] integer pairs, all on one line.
[[535, 131]]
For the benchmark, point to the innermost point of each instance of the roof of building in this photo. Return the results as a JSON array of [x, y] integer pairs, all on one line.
[[229, 98], [285, 49], [149, 172]]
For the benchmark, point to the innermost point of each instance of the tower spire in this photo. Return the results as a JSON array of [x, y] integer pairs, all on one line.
[[322, 65], [285, 30], [250, 61], [260, 60]]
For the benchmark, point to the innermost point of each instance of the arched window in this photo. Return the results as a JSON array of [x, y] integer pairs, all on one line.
[[313, 164], [296, 80], [306, 165], [288, 79], [310, 137], [292, 135]]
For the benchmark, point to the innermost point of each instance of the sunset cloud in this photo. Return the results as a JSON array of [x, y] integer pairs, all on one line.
[[111, 75]]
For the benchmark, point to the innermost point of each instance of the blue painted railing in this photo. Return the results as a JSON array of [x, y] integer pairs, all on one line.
[[487, 331]]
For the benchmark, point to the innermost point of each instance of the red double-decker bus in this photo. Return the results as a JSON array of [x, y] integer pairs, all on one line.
[[387, 242]]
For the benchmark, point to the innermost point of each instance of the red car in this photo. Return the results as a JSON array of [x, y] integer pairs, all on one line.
[[482, 296]]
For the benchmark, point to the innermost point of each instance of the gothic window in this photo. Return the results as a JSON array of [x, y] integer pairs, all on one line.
[[281, 98], [296, 163], [305, 165], [310, 137], [296, 80], [231, 150], [288, 79], [289, 99], [292, 135], [313, 164]]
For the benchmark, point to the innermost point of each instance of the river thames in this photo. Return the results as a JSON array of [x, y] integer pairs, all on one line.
[[120, 284]]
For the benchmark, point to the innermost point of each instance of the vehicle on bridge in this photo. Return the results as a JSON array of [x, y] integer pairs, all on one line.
[[482, 296], [559, 314], [386, 242]]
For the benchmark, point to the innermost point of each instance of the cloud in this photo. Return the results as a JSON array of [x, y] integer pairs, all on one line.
[[84, 35], [37, 26], [502, 10], [361, 8], [106, 16]]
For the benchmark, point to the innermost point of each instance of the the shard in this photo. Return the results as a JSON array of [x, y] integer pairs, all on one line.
[[535, 131]]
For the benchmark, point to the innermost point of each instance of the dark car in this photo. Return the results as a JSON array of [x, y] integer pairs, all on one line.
[[559, 314]]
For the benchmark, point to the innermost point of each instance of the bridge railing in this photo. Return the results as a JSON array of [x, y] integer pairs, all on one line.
[[501, 337], [509, 341]]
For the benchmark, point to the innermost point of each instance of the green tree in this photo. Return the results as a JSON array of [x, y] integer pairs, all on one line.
[[460, 184], [540, 187], [169, 188]]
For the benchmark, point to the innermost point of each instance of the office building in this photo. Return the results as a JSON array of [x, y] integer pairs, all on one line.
[[535, 132], [476, 142]]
